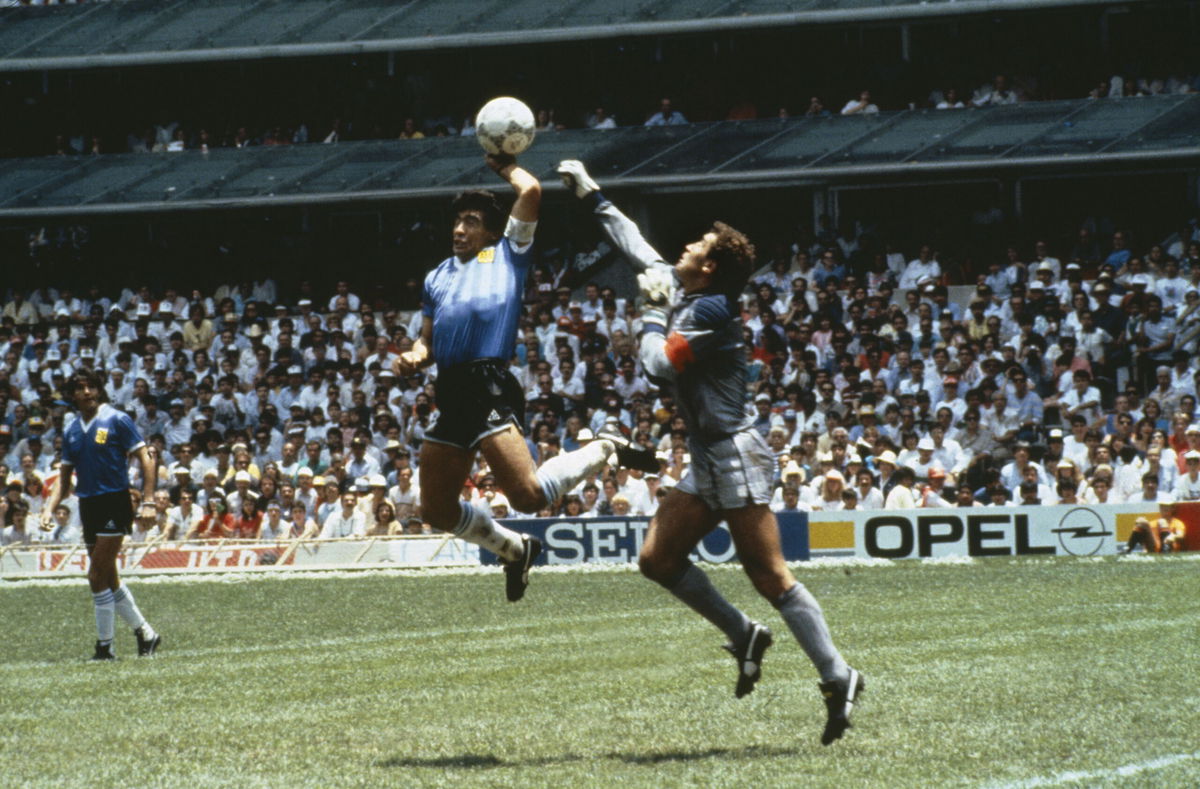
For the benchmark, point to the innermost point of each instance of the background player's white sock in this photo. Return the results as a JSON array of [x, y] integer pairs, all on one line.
[[803, 615], [128, 610], [563, 472], [694, 588], [476, 526], [105, 615]]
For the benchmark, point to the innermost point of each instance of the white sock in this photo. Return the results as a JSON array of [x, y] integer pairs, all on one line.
[[476, 526], [105, 615], [128, 610], [563, 472]]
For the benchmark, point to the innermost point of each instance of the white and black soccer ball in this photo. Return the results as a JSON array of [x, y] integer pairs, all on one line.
[[505, 125]]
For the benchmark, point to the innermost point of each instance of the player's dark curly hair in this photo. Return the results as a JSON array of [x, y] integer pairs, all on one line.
[[486, 203], [734, 255], [93, 377]]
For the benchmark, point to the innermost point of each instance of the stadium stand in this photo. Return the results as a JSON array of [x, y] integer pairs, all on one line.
[[151, 31], [1053, 136], [833, 385]]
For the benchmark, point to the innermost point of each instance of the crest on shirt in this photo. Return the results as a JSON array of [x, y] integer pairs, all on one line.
[[487, 255], [101, 435]]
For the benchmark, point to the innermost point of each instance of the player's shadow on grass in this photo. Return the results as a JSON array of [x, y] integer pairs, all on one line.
[[476, 761]]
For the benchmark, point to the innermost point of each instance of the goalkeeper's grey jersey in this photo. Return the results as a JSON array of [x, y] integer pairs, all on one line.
[[702, 350]]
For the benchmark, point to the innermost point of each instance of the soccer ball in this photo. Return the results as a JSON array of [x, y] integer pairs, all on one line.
[[505, 125]]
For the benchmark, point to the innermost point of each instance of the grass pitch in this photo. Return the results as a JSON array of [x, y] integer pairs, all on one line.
[[996, 673]]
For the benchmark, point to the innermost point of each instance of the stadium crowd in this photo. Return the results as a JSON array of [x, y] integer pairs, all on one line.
[[175, 135], [876, 382]]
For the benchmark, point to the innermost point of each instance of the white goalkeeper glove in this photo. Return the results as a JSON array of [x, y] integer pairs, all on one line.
[[654, 315], [657, 285], [576, 177]]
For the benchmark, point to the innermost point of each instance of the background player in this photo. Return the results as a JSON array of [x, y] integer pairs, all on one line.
[[97, 447], [698, 349], [472, 304]]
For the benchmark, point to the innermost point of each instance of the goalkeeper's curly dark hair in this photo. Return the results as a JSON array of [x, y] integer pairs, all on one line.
[[733, 253]]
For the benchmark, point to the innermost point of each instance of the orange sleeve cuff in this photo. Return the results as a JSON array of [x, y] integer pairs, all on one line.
[[679, 352]]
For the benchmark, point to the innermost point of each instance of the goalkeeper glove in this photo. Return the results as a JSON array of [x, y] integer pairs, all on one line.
[[654, 316], [576, 177], [657, 285]]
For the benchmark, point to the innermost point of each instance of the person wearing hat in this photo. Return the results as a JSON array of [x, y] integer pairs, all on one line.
[[376, 494], [933, 492], [692, 344], [951, 398], [885, 467], [925, 462], [97, 447], [1187, 486]]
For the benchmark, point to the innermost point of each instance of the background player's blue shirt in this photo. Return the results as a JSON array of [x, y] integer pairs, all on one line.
[[99, 451], [476, 305]]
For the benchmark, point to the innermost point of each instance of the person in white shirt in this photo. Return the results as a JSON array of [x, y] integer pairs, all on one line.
[[923, 265], [933, 494], [182, 518], [861, 105], [869, 496], [345, 522], [901, 496], [1082, 399], [950, 101], [1187, 487]]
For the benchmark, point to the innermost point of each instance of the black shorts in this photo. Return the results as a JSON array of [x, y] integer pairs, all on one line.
[[474, 400], [106, 515]]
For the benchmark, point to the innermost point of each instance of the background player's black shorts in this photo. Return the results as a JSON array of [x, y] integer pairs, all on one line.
[[106, 515], [474, 400]]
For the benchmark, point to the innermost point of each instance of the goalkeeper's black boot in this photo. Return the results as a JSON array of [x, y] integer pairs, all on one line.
[[629, 454], [749, 654], [840, 696]]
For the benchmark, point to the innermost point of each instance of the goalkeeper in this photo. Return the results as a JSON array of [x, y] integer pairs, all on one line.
[[694, 342]]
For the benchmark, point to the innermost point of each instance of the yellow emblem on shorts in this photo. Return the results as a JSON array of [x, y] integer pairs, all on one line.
[[487, 255], [101, 435]]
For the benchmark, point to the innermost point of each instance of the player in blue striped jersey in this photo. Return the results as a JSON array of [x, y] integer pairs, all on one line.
[[471, 305], [694, 344], [97, 447]]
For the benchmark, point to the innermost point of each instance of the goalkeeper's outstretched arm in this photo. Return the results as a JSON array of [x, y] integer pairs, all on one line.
[[622, 232]]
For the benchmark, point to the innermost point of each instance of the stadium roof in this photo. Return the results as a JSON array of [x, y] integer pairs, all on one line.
[[140, 32], [1046, 137]]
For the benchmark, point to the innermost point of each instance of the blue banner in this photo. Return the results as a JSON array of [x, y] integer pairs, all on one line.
[[619, 540]]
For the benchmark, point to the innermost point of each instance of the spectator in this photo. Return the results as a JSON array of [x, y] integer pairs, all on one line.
[[861, 105], [347, 521], [667, 115]]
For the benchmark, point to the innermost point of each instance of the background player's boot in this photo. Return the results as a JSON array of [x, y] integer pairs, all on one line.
[[103, 651], [840, 696], [517, 572], [749, 654], [147, 646], [629, 454]]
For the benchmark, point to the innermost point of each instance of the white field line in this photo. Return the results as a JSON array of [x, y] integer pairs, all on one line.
[[524, 632], [1124, 771], [801, 568]]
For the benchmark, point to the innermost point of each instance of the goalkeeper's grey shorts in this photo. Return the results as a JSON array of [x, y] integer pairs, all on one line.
[[731, 473]]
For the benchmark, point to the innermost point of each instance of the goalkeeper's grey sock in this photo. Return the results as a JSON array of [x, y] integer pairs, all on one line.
[[694, 589], [802, 613]]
